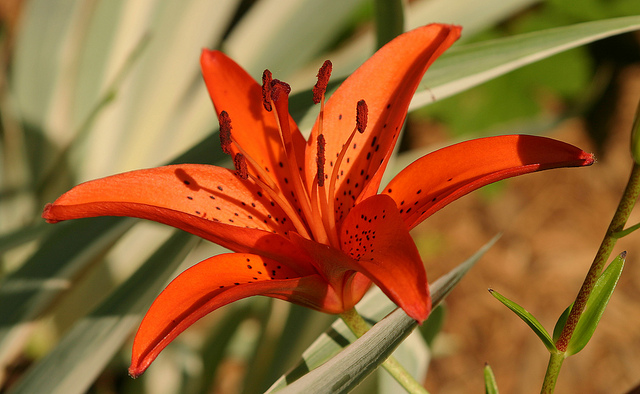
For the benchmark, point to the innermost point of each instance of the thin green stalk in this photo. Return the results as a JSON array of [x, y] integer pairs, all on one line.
[[616, 227], [624, 233], [618, 222], [553, 369], [359, 327]]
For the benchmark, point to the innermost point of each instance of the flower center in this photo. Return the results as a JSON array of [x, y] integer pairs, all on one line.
[[315, 218]]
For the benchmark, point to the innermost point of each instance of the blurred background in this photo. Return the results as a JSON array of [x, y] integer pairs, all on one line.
[[90, 88]]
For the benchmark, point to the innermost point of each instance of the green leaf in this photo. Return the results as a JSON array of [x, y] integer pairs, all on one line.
[[490, 384], [433, 325], [389, 16], [344, 371], [596, 304], [86, 349], [527, 318], [466, 66], [562, 320], [294, 35], [373, 307], [51, 270], [22, 235]]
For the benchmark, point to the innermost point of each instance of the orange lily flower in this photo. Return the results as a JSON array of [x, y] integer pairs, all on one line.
[[304, 217]]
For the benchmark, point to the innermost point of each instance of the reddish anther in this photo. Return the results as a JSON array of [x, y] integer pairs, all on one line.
[[362, 112], [266, 90], [323, 80], [225, 132], [241, 166], [278, 88], [320, 160]]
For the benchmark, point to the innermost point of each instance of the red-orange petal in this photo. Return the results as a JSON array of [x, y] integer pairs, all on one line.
[[255, 129], [208, 201], [437, 179], [386, 82], [216, 282], [375, 236]]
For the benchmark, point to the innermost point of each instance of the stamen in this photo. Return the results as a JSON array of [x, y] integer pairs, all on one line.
[[323, 80], [286, 207], [257, 169], [362, 112], [242, 171], [361, 124], [241, 166], [320, 159], [225, 132], [266, 90], [278, 88], [280, 97], [226, 140]]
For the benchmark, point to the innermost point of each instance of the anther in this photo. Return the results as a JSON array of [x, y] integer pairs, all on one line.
[[266, 90], [225, 132], [362, 112], [320, 159], [241, 166], [323, 80], [278, 88]]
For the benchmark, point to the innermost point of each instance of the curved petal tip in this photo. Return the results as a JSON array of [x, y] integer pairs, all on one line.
[[47, 215]]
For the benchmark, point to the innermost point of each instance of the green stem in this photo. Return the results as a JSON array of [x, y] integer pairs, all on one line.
[[628, 200], [624, 233], [553, 369], [359, 327]]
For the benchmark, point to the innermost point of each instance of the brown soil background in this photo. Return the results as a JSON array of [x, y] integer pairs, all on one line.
[[552, 224]]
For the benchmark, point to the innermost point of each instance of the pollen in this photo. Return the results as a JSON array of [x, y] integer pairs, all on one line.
[[241, 166], [320, 160], [279, 88], [362, 112], [225, 132], [266, 90], [323, 80]]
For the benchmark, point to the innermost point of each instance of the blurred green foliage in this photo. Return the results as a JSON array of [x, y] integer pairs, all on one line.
[[550, 88]]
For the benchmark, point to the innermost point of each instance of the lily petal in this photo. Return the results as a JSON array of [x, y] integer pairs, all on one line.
[[255, 129], [437, 179], [338, 269], [375, 235], [387, 82], [216, 282], [208, 201]]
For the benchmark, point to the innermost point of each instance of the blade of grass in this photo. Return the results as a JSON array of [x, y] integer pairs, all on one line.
[[93, 341], [373, 307]]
